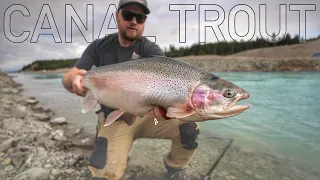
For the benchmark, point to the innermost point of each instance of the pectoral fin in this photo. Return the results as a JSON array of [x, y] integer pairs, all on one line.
[[173, 112], [89, 102], [113, 116]]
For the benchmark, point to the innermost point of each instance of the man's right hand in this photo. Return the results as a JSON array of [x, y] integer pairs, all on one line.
[[77, 83], [72, 81]]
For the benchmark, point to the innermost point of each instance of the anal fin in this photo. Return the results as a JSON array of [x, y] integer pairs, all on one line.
[[113, 116]]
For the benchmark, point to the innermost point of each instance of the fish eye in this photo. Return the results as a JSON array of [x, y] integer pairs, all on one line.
[[229, 93]]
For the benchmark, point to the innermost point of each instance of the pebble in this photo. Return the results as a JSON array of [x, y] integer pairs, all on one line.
[[18, 158], [9, 168], [19, 111], [6, 145], [6, 161], [41, 117], [258, 176], [55, 172], [47, 166], [230, 178], [2, 154], [37, 173], [72, 161], [60, 120], [31, 100], [225, 173], [249, 172]]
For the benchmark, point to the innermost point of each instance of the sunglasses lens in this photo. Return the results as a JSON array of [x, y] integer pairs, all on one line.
[[128, 16]]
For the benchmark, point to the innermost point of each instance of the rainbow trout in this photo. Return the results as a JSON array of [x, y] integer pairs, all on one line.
[[186, 92]]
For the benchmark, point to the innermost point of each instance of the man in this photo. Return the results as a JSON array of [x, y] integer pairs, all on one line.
[[113, 142]]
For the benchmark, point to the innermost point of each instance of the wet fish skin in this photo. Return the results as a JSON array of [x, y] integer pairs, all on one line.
[[183, 90]]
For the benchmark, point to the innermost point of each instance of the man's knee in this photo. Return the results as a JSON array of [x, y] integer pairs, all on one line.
[[103, 165], [189, 133], [99, 154]]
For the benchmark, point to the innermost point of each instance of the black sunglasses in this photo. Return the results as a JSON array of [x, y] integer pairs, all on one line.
[[128, 16]]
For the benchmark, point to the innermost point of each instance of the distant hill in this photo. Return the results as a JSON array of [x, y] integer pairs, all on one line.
[[302, 50], [41, 65], [293, 58]]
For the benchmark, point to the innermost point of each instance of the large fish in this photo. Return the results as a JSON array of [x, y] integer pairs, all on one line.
[[138, 86]]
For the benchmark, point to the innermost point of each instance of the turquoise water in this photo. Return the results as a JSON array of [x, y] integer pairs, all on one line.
[[283, 118]]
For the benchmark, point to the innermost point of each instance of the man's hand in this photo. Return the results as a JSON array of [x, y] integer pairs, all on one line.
[[72, 81], [77, 83]]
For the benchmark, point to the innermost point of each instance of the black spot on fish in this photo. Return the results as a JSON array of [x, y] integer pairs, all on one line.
[[215, 78]]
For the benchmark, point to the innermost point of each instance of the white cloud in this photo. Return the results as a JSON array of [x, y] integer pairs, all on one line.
[[161, 23]]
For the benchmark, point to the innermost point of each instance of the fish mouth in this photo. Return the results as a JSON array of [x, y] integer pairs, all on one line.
[[233, 109], [233, 103]]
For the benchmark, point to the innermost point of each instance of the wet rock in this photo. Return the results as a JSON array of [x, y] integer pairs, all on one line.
[[78, 131], [24, 148], [6, 161], [31, 100], [84, 143], [36, 173], [73, 161], [59, 121], [41, 116], [6, 145], [58, 135]]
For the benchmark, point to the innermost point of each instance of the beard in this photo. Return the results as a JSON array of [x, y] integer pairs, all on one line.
[[129, 36]]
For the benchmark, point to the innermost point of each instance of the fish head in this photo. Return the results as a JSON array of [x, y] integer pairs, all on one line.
[[215, 98]]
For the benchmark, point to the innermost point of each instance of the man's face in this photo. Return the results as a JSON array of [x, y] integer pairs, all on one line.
[[130, 29]]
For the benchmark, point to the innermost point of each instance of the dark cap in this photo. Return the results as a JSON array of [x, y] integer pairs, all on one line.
[[142, 3]]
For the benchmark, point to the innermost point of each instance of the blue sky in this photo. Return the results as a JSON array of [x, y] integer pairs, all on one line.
[[162, 23]]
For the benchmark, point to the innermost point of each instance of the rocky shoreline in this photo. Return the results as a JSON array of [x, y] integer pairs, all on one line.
[[33, 144], [36, 144]]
